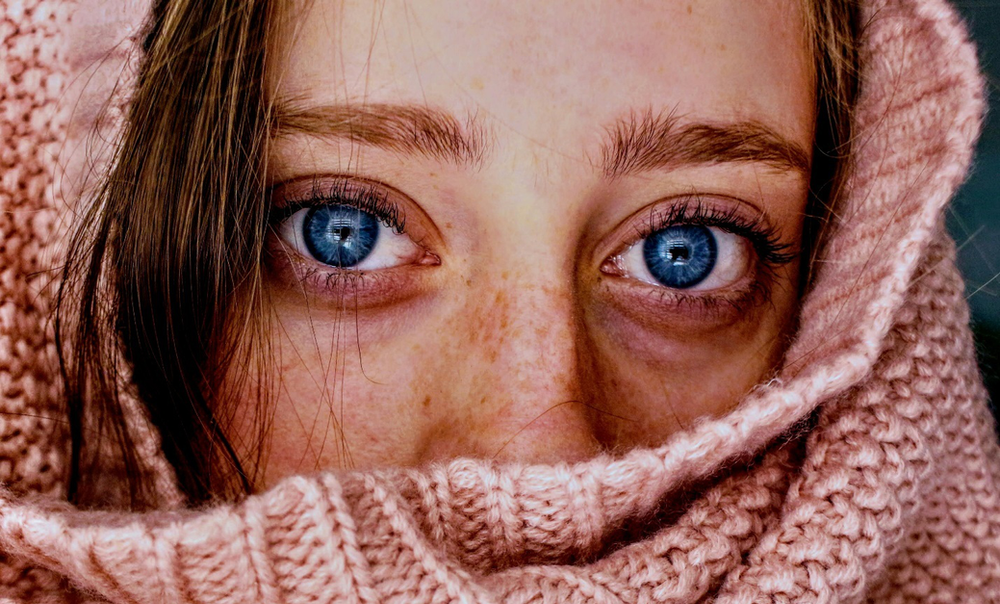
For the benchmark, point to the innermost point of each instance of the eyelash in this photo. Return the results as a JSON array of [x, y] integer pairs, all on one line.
[[365, 196], [771, 252]]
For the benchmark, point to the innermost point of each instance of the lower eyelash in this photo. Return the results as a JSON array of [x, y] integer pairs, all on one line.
[[349, 288], [713, 307]]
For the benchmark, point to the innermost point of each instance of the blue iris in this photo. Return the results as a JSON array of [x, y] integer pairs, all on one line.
[[338, 235], [681, 256]]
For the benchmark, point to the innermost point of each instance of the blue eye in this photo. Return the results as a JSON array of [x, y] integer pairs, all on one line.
[[681, 256], [340, 236], [688, 256]]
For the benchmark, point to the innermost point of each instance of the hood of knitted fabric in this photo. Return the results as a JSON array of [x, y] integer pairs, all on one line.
[[867, 469]]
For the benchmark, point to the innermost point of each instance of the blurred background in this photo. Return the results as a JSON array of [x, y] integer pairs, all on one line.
[[974, 218]]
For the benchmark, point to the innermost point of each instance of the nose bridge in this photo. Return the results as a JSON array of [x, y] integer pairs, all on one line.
[[530, 319], [530, 332], [517, 387], [529, 390]]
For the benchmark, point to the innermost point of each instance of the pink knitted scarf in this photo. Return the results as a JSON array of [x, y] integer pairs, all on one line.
[[867, 470]]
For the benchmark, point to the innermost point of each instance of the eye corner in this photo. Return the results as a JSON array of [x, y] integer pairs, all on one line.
[[612, 266], [429, 258]]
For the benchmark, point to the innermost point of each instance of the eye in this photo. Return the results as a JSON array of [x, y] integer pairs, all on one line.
[[346, 237], [688, 256]]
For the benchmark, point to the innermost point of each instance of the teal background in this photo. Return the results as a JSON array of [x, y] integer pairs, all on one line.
[[974, 218]]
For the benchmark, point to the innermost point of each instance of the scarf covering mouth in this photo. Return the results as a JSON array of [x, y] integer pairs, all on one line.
[[867, 470]]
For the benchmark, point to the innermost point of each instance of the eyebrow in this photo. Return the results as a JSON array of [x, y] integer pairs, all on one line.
[[634, 144], [646, 142], [411, 129]]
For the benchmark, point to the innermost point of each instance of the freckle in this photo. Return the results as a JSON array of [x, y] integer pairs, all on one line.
[[468, 282], [504, 275], [427, 402], [690, 9], [448, 225], [722, 47], [476, 84]]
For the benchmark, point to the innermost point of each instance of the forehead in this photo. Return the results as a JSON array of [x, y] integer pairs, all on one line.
[[549, 69]]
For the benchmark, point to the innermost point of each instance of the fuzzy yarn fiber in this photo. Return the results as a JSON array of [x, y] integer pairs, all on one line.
[[867, 471]]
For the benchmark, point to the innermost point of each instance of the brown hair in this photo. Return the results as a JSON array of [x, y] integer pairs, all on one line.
[[165, 270], [835, 29]]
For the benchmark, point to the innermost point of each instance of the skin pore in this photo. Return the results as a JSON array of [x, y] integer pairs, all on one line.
[[515, 163]]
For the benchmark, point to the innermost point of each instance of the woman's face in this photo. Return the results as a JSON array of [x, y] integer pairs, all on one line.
[[533, 234]]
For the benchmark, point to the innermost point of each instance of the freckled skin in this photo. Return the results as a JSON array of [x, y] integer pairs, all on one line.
[[516, 344]]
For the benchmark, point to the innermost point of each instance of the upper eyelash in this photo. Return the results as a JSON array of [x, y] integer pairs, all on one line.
[[370, 198], [761, 234], [365, 196]]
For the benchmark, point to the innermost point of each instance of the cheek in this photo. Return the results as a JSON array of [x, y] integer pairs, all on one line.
[[660, 386], [664, 376], [345, 392], [655, 374]]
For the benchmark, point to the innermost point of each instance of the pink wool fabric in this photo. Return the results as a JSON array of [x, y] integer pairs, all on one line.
[[867, 470]]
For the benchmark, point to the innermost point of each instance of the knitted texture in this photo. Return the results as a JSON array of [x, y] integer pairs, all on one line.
[[32, 439], [866, 471]]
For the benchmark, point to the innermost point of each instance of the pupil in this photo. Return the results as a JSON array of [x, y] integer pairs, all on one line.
[[339, 235], [681, 256]]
